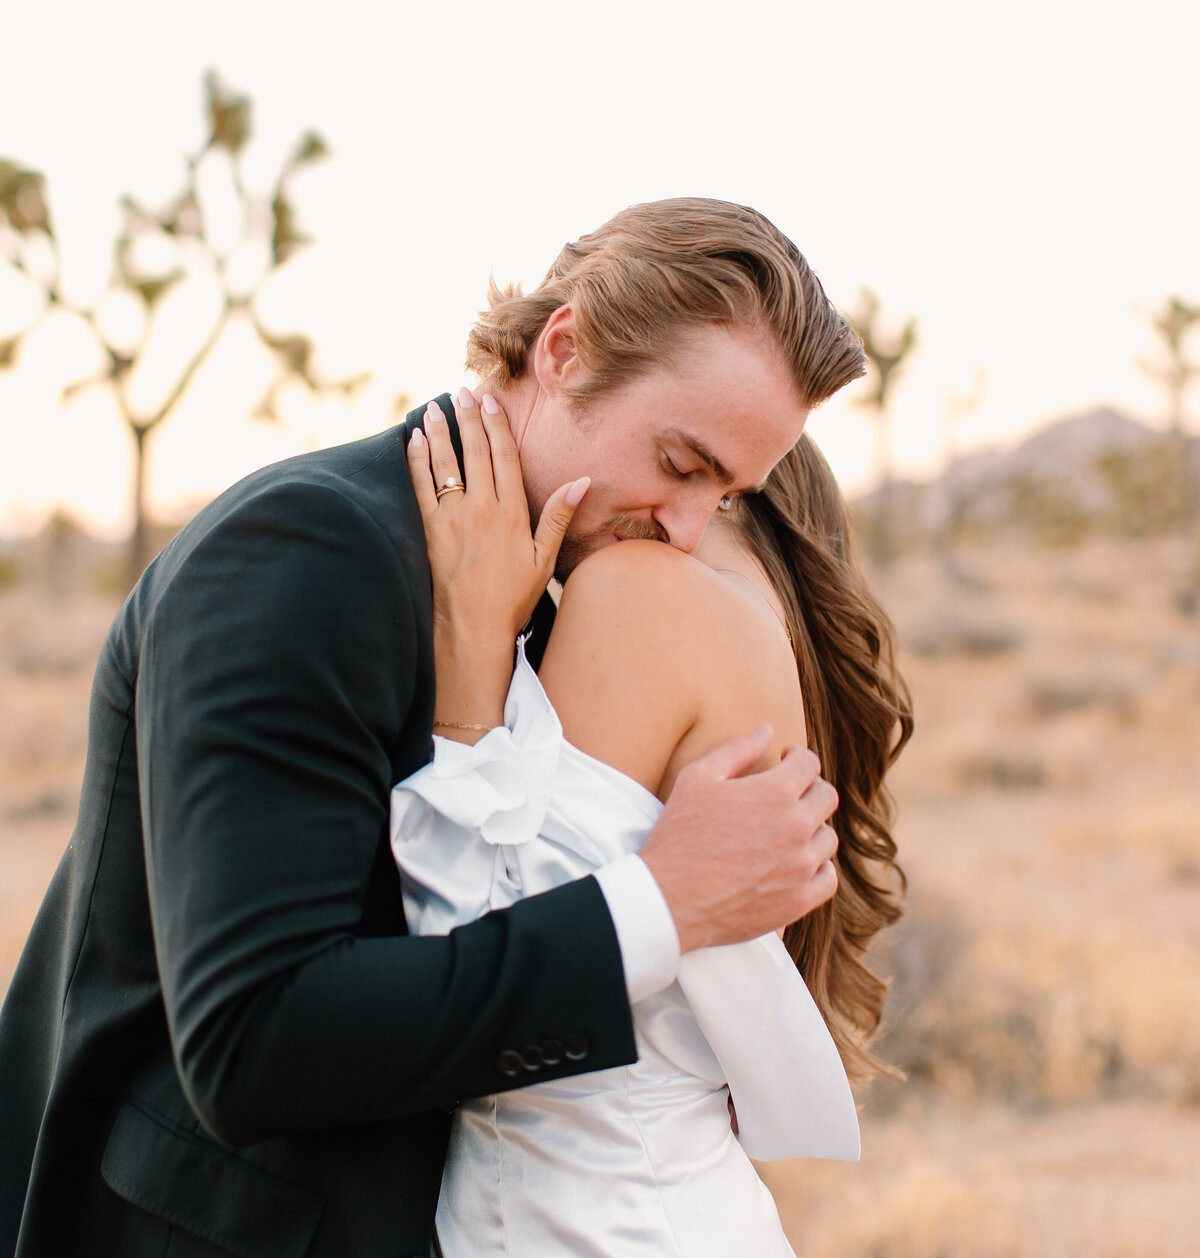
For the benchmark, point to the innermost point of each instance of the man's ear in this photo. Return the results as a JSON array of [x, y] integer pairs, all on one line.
[[555, 359]]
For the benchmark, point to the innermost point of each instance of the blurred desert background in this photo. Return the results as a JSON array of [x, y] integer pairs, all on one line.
[[258, 230], [1046, 996], [1046, 993]]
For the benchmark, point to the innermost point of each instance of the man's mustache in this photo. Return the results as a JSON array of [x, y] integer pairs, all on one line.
[[576, 547], [632, 527]]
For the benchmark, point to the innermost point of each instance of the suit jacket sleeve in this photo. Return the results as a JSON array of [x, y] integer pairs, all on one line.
[[277, 669]]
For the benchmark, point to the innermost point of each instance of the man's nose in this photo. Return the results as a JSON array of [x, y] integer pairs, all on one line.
[[684, 525]]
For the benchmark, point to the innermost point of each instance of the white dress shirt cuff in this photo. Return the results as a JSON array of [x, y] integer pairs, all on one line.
[[645, 928]]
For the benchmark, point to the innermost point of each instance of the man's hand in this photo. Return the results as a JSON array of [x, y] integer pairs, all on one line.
[[737, 856]]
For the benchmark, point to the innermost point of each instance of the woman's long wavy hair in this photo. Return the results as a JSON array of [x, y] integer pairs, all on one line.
[[859, 716]]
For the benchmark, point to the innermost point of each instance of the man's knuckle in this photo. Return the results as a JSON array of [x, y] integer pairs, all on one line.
[[780, 789]]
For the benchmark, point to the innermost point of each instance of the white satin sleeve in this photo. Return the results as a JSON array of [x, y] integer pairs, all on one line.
[[464, 831], [785, 1074], [464, 826], [522, 811]]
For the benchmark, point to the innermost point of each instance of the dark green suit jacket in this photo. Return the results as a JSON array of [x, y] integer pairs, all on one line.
[[220, 1039]]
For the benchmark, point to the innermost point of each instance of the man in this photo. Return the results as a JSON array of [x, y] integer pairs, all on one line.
[[220, 1039]]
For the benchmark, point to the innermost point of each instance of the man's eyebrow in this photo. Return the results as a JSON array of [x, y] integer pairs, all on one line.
[[702, 452]]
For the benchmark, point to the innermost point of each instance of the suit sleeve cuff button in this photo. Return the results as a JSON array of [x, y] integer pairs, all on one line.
[[532, 1058], [510, 1063]]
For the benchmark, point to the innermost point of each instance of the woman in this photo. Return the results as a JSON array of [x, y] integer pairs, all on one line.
[[657, 657]]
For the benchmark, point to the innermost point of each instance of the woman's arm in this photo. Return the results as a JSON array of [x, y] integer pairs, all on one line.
[[488, 570]]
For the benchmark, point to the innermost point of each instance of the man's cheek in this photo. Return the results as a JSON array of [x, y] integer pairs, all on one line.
[[586, 521]]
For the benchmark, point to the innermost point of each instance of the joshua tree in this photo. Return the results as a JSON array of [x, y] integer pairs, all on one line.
[[885, 355], [1173, 322], [179, 233], [956, 408]]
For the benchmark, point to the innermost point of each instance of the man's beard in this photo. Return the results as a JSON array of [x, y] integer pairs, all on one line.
[[577, 546]]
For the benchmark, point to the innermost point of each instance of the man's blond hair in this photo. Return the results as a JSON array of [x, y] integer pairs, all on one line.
[[654, 272]]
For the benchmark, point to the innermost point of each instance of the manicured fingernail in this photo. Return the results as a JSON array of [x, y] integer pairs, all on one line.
[[417, 440], [577, 490], [490, 405], [466, 398], [433, 412]]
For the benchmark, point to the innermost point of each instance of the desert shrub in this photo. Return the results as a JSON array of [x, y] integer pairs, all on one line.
[[10, 571], [1184, 869], [951, 632], [924, 1211], [47, 803], [1099, 687], [1186, 599], [1001, 769], [1147, 485], [1049, 510], [109, 575], [1037, 1016]]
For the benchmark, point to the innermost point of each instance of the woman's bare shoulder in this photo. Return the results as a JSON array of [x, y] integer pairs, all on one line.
[[655, 607], [674, 600], [652, 651], [631, 562]]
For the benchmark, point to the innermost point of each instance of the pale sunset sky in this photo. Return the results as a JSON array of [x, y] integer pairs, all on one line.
[[1022, 178]]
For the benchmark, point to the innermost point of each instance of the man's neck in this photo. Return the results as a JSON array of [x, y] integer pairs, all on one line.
[[519, 402]]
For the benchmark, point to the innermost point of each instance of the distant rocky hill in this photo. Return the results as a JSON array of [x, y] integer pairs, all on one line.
[[1096, 470]]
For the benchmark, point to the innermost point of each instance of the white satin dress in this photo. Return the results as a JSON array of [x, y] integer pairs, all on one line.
[[637, 1161]]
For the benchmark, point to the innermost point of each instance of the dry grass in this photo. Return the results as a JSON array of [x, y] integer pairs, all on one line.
[[1105, 1181], [1050, 821], [1046, 997], [48, 647]]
